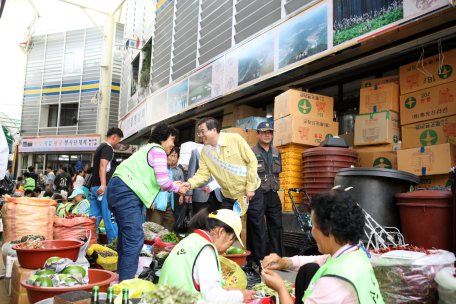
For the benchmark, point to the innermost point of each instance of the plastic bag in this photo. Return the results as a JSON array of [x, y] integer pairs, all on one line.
[[143, 263], [446, 285], [75, 228], [253, 277], [149, 273], [137, 284], [411, 281], [232, 274], [183, 221], [108, 263], [27, 215], [159, 246]]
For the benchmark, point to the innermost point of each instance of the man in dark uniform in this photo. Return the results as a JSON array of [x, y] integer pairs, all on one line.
[[269, 167]]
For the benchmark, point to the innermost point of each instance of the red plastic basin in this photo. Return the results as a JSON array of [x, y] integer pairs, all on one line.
[[103, 238], [149, 242], [238, 258], [35, 258], [97, 277]]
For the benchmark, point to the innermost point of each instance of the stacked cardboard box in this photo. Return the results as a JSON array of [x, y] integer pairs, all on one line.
[[250, 136], [377, 127], [231, 114], [18, 292], [428, 116]]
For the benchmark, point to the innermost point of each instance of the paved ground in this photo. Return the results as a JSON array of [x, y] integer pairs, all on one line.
[[4, 298]]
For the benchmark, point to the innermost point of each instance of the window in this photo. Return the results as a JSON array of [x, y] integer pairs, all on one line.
[[67, 112], [53, 114], [39, 163]]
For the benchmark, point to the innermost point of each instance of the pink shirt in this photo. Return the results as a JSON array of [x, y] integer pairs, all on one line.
[[158, 160], [328, 290]]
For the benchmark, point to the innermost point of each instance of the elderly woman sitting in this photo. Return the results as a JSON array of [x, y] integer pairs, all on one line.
[[343, 274], [78, 205]]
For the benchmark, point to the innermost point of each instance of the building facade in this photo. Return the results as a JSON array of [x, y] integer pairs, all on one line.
[[62, 76]]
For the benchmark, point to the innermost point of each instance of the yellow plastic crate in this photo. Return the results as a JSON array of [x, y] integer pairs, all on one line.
[[291, 180], [290, 168], [291, 162], [292, 174], [293, 147]]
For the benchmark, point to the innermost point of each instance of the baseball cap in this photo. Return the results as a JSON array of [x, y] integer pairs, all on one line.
[[76, 192], [230, 218], [265, 126]]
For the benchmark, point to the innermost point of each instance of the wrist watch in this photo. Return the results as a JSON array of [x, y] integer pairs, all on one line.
[[290, 263]]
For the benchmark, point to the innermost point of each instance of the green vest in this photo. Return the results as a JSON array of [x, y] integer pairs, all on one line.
[[29, 184], [64, 209], [178, 267], [136, 173], [355, 269]]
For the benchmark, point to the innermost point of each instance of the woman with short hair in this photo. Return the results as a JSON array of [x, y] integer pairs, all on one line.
[[343, 274]]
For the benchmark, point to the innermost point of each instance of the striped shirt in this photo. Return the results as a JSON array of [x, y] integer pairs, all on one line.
[[158, 160]]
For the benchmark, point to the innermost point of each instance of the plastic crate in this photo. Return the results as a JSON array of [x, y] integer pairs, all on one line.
[[294, 174], [291, 162], [289, 168]]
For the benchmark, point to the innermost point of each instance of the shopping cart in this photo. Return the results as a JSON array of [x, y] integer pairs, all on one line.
[[302, 214]]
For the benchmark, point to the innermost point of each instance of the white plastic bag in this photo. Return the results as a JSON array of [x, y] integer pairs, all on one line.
[[446, 285], [410, 281]]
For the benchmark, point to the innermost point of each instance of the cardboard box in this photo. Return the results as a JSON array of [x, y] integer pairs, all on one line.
[[246, 111], [250, 136], [377, 128], [19, 293], [379, 98], [302, 130], [384, 160], [228, 121], [376, 148], [431, 103], [431, 160], [378, 81], [350, 138], [431, 181], [228, 110], [412, 79], [428, 133], [252, 122], [304, 104]]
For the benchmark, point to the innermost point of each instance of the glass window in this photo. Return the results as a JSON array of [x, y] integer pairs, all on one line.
[[347, 120], [86, 158], [75, 157], [67, 112], [391, 73], [39, 158], [52, 157], [332, 91], [53, 114], [64, 158]]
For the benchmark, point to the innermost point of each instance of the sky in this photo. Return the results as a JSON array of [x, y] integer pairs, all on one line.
[[16, 17]]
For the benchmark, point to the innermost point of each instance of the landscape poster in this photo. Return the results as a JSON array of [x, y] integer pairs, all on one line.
[[354, 18], [303, 36], [156, 108], [178, 97], [200, 86], [413, 8], [256, 58]]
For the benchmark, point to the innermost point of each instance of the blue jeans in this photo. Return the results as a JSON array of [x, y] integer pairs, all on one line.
[[100, 209], [128, 210]]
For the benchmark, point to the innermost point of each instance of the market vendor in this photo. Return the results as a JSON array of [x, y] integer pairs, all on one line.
[[135, 183], [79, 204], [343, 274], [194, 262]]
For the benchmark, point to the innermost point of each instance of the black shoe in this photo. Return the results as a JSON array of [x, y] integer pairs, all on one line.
[[258, 264]]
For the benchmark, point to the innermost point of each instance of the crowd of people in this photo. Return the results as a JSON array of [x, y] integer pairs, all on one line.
[[151, 186]]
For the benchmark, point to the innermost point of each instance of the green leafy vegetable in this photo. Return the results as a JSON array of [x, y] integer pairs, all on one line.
[[170, 237], [172, 294], [270, 292]]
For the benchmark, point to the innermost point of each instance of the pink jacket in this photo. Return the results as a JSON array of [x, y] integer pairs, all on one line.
[[328, 290]]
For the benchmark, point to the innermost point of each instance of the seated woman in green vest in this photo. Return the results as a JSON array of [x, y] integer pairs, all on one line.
[[194, 262], [30, 183], [343, 274], [79, 204]]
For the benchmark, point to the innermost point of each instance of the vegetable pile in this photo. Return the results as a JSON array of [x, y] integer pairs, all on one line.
[[28, 237], [71, 275], [408, 281], [268, 291], [31, 244], [406, 248], [170, 238], [172, 294]]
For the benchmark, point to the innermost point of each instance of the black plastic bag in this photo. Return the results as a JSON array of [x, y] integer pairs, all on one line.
[[252, 276], [148, 273], [7, 186], [183, 221]]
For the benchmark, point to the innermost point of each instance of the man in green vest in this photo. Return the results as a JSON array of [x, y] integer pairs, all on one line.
[[30, 183], [269, 167]]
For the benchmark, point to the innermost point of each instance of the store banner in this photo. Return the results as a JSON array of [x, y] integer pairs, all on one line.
[[60, 143], [323, 28], [134, 122]]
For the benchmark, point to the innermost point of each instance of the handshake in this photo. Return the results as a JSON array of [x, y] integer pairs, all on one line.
[[184, 187]]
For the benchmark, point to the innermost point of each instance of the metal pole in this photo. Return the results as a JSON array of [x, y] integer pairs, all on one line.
[[106, 75]]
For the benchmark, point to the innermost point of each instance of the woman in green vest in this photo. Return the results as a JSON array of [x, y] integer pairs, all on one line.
[[343, 274], [194, 262], [30, 183], [135, 184], [79, 204]]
